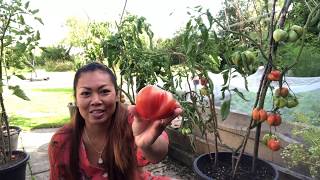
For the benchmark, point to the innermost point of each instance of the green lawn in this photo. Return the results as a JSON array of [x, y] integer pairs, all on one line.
[[47, 108]]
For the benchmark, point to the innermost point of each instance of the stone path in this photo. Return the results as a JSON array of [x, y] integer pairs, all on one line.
[[36, 144]]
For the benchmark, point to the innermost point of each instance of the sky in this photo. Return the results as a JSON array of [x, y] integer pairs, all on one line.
[[54, 14]]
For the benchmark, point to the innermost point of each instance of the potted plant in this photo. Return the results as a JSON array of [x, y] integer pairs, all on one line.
[[17, 41], [206, 52]]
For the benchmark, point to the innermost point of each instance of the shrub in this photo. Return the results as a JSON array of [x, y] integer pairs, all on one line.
[[307, 154], [308, 65], [59, 66]]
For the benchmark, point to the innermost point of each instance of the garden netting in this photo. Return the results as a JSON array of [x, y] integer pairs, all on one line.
[[307, 90]]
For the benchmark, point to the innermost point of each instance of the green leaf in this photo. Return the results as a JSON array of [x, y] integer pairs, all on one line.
[[204, 32], [210, 18], [35, 11], [8, 41], [240, 94], [21, 20], [26, 5], [39, 20], [19, 92], [20, 76], [37, 37], [225, 76], [225, 109]]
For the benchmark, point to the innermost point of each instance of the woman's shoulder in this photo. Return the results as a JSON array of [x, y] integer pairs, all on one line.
[[62, 134]]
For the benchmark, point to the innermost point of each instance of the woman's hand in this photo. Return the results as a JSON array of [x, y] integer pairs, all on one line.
[[146, 132]]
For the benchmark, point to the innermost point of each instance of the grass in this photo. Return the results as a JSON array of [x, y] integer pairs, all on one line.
[[47, 108]]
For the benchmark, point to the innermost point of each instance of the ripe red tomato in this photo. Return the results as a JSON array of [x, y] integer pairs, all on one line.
[[274, 75], [263, 115], [271, 118], [153, 103], [277, 121], [274, 119], [255, 114], [274, 144]]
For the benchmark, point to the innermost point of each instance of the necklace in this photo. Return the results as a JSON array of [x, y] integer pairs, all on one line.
[[100, 160]]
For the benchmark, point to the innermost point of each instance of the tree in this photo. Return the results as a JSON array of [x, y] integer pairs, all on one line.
[[88, 36]]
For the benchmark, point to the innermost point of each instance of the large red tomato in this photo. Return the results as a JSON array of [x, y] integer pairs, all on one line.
[[153, 103]]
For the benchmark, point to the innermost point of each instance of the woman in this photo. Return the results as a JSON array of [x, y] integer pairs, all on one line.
[[105, 139]]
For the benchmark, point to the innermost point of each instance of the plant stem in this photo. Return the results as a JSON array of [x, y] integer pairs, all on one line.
[[124, 8]]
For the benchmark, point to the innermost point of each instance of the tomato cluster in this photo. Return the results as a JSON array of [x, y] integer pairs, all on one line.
[[273, 119], [245, 61], [292, 35], [282, 96], [153, 103]]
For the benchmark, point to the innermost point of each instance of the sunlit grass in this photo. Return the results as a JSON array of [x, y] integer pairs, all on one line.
[[38, 122], [47, 108]]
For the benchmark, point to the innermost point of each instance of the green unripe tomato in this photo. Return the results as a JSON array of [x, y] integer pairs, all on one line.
[[250, 57], [236, 58], [280, 35], [292, 102], [297, 29], [204, 91], [282, 102], [267, 137], [292, 36]]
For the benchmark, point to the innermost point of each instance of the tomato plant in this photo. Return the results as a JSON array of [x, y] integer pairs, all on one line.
[[18, 41]]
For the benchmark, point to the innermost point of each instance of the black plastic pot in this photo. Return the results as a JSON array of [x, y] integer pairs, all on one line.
[[16, 171], [201, 163]]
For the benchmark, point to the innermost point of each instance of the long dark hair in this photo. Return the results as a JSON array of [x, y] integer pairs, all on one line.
[[120, 157]]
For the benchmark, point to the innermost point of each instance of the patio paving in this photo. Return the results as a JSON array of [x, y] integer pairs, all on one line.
[[36, 144]]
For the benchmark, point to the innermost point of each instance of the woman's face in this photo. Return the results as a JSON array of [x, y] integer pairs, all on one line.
[[95, 97]]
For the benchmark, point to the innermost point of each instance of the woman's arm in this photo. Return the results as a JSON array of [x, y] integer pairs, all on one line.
[[54, 171], [158, 150], [148, 138]]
